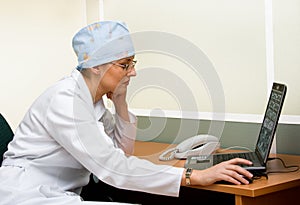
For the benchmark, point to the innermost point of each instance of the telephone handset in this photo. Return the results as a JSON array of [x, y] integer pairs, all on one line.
[[197, 145]]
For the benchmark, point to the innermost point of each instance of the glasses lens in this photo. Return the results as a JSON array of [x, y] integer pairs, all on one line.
[[133, 63], [126, 66]]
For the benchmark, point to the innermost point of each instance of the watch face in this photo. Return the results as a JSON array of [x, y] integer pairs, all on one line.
[[188, 181]]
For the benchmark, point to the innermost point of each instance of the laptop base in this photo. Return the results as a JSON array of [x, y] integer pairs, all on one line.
[[201, 162]]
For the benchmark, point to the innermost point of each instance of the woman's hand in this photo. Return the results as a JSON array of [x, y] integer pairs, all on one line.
[[120, 91], [118, 97], [228, 171]]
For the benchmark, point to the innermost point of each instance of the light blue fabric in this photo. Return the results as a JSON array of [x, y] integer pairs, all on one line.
[[102, 42]]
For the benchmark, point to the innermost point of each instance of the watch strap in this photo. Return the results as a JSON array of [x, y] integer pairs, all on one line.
[[188, 174]]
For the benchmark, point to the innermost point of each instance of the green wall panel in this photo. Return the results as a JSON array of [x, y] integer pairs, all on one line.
[[172, 130]]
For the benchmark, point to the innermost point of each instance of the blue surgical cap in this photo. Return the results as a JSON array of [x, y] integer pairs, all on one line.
[[102, 42]]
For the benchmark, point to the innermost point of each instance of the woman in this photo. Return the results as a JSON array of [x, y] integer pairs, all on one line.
[[67, 133]]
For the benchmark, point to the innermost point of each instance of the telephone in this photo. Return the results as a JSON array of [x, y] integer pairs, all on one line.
[[197, 145]]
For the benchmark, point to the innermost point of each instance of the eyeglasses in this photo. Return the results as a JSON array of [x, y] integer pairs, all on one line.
[[126, 66]]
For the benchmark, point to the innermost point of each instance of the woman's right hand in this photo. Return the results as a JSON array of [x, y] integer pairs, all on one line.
[[228, 171]]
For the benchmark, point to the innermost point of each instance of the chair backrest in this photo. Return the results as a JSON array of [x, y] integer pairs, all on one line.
[[6, 135]]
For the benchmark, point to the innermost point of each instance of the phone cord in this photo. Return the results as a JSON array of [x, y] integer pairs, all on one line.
[[170, 152]]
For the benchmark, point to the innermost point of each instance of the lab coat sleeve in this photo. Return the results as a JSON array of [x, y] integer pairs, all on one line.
[[123, 133], [71, 121]]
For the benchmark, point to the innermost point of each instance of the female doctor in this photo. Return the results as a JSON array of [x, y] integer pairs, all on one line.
[[67, 133]]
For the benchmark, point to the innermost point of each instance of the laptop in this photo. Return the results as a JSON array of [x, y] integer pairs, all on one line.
[[260, 156]]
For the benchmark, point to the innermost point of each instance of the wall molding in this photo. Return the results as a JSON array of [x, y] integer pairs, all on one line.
[[269, 44], [230, 117], [101, 10]]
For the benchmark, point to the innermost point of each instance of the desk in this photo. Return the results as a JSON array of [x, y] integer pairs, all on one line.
[[280, 188]]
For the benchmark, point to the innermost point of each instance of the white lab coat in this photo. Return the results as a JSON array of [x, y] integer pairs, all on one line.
[[61, 141]]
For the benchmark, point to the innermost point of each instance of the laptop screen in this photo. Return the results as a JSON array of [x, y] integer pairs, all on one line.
[[270, 121]]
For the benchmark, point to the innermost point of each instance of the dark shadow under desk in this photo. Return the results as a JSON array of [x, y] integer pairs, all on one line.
[[104, 192]]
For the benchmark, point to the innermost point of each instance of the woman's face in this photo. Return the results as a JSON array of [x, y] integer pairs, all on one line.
[[117, 76]]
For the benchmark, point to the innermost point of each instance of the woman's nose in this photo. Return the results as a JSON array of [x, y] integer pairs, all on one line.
[[132, 72]]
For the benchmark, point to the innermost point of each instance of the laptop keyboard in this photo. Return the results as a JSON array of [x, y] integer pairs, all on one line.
[[224, 157]]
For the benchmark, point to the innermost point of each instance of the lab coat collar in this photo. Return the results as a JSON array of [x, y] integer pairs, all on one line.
[[82, 86], [99, 107]]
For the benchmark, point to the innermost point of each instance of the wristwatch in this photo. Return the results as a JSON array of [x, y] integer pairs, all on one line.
[[188, 173]]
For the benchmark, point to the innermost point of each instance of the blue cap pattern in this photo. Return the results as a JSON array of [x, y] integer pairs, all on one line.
[[102, 42]]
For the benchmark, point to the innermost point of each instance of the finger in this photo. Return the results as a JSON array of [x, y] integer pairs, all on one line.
[[229, 177], [244, 180], [235, 177], [239, 179], [240, 161], [240, 172]]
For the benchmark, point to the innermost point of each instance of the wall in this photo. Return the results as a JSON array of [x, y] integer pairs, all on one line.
[[36, 49], [235, 135], [233, 35], [241, 47]]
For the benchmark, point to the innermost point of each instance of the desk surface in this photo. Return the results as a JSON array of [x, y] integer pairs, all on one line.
[[275, 182]]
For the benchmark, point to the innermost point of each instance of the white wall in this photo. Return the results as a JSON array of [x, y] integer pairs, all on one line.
[[287, 50], [36, 49], [235, 37]]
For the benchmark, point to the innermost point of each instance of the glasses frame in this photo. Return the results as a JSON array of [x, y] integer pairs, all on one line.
[[126, 66]]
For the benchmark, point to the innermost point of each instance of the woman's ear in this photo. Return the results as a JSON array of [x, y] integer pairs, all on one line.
[[96, 70], [100, 69]]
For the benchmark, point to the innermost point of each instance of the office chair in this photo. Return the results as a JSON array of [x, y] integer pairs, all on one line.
[[6, 135]]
